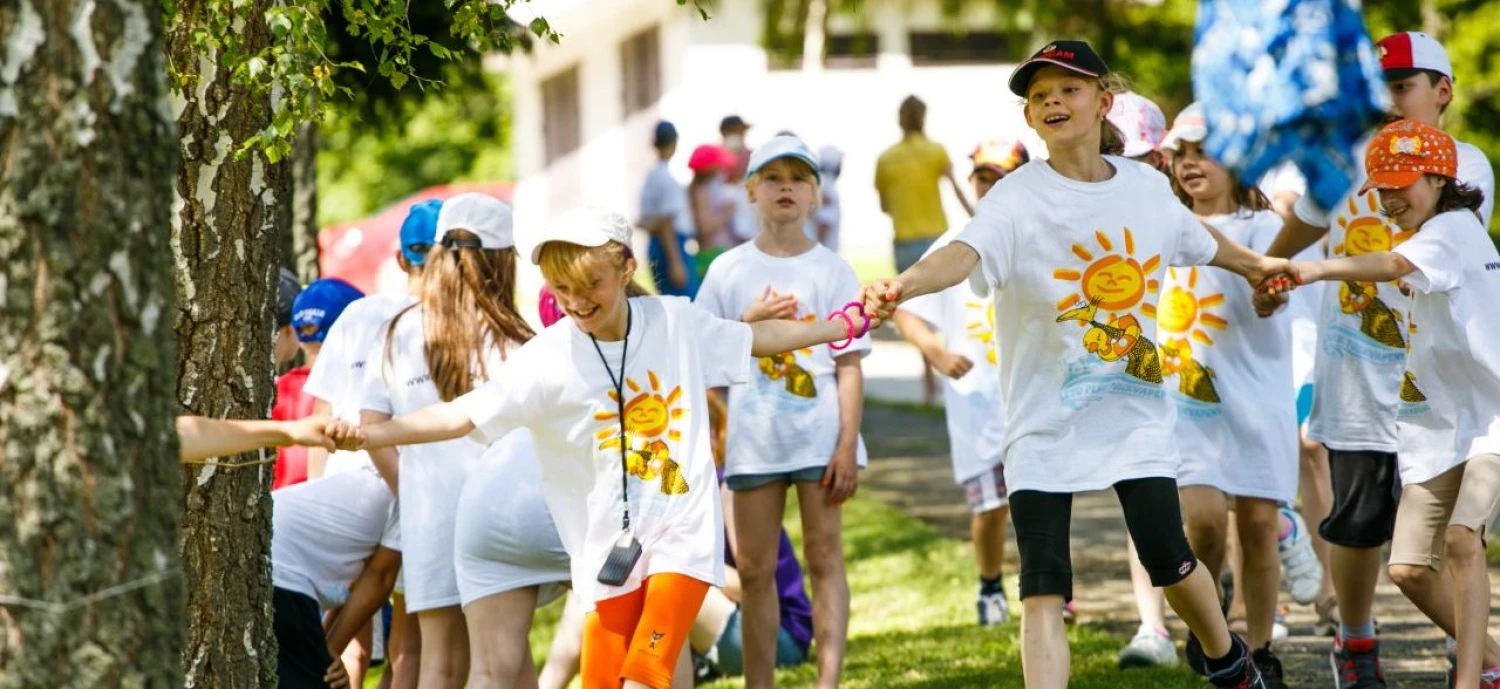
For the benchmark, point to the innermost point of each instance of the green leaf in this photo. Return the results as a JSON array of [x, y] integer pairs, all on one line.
[[438, 51], [398, 79]]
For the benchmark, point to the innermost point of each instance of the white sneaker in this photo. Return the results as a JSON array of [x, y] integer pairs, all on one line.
[[1148, 649], [1303, 572], [1278, 627], [993, 609]]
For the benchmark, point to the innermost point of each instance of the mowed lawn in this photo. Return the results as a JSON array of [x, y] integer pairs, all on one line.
[[913, 618]]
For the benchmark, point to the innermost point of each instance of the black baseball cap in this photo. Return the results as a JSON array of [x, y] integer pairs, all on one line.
[[1074, 56], [732, 122]]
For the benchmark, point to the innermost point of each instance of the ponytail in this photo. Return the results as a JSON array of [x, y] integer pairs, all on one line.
[[1111, 140]]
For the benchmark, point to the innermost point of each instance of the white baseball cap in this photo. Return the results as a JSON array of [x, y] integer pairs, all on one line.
[[1190, 126], [1140, 121], [487, 217], [1409, 52], [783, 146], [585, 226]]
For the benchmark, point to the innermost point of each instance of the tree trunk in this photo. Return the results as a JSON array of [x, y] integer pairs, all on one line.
[[225, 242], [89, 587], [304, 228]]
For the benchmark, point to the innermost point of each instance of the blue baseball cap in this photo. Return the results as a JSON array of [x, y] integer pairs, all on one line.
[[783, 147], [319, 306], [419, 230], [665, 134]]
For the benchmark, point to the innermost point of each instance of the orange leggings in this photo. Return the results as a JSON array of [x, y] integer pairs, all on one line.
[[637, 636]]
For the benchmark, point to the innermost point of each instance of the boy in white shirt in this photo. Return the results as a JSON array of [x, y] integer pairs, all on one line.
[[966, 358], [796, 424]]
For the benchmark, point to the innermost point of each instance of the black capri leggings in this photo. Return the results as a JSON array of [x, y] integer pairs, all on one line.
[[1152, 514]]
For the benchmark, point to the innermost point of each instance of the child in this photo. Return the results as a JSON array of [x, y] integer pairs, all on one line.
[[971, 391], [710, 211], [1231, 378], [1357, 374], [1449, 421], [796, 424], [665, 215], [456, 337], [615, 398], [1077, 244], [314, 311]]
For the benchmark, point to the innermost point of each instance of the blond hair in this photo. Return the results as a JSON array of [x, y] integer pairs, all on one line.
[[563, 263], [1111, 139]]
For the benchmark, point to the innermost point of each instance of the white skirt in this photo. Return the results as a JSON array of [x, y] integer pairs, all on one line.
[[504, 537]]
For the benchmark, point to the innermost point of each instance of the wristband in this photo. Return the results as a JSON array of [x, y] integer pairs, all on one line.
[[849, 331], [860, 307]]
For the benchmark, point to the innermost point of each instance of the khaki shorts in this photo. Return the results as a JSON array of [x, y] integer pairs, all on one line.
[[1466, 495]]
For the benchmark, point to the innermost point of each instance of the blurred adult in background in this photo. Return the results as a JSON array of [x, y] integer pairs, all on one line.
[[906, 178]]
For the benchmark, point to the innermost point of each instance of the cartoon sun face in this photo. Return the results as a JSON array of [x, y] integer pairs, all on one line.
[[1115, 281], [1182, 311], [647, 415], [982, 327]]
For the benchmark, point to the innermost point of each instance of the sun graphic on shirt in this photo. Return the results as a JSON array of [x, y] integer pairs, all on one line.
[[1112, 281], [1365, 231], [649, 419], [981, 325], [1181, 311], [784, 367]]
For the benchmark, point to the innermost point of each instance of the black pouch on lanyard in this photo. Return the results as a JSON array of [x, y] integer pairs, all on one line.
[[627, 550]]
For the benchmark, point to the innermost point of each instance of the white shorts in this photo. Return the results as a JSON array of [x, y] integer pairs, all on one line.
[[986, 492], [504, 538]]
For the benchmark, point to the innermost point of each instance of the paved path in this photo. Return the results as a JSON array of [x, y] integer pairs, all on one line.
[[909, 469]]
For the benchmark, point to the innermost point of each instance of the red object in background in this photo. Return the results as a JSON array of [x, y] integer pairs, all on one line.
[[359, 250], [291, 404]]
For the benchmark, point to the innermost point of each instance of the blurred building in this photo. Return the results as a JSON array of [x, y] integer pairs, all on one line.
[[585, 108]]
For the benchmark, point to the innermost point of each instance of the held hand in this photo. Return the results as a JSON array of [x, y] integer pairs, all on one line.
[[307, 432], [336, 676], [345, 436], [771, 307], [841, 480], [1267, 268], [881, 297], [952, 365]]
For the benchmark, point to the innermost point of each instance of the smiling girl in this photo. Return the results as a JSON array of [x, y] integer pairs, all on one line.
[[1448, 424], [1078, 246], [796, 425], [1230, 373], [615, 398]]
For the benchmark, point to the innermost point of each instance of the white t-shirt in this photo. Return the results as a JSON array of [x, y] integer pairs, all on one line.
[[1362, 326], [432, 475], [1450, 395], [663, 196], [787, 417], [1079, 266], [976, 414], [1230, 373], [338, 376], [557, 386], [323, 531]]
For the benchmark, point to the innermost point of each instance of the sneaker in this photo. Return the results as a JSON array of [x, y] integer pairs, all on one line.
[[1356, 664], [1149, 648], [1070, 613], [993, 609], [1279, 629], [1299, 564], [1242, 675], [1269, 666], [1328, 617]]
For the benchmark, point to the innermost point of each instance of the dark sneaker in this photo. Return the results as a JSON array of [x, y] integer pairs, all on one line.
[[1269, 666], [1242, 675], [1193, 651], [1356, 664]]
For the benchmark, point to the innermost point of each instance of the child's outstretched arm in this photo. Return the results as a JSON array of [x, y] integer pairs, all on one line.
[[775, 337], [200, 438], [1379, 266], [936, 272], [1256, 268], [444, 421]]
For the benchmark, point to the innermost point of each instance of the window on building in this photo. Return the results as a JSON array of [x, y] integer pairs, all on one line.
[[640, 70], [561, 120], [851, 51], [973, 47]]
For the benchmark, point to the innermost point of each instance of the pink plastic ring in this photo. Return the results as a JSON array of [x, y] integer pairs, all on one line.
[[860, 307], [849, 332]]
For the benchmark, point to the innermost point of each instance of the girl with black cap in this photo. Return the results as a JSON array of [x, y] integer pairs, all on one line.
[[1079, 245]]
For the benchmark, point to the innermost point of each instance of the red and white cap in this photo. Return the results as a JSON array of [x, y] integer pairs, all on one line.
[[1409, 52]]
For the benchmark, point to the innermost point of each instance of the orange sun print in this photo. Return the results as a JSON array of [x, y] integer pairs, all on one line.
[[649, 418]]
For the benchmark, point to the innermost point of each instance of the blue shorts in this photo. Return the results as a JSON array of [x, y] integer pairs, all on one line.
[[908, 253], [1304, 404], [731, 648], [658, 259], [753, 481]]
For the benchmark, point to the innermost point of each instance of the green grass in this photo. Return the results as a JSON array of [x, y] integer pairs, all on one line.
[[912, 621]]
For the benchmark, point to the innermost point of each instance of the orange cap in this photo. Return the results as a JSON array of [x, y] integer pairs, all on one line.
[[1405, 150], [1001, 155]]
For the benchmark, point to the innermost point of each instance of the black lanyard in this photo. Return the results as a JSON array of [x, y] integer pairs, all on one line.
[[619, 384]]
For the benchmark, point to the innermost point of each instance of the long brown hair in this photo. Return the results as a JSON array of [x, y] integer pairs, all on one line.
[[458, 284]]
